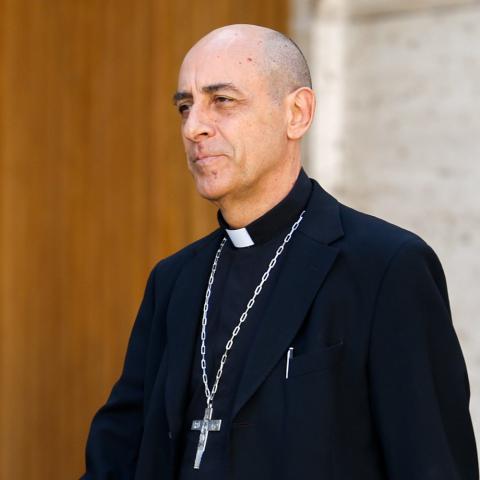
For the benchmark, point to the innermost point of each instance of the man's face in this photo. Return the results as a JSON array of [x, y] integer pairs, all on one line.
[[233, 130]]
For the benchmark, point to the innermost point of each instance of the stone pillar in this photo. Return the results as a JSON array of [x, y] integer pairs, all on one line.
[[397, 132]]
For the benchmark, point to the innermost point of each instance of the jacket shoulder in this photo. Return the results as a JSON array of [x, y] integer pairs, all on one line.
[[374, 235], [371, 244]]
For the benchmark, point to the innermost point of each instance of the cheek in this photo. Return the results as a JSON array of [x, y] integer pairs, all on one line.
[[187, 145], [266, 140]]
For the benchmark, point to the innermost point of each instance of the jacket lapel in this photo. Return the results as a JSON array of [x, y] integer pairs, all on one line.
[[183, 321], [307, 263]]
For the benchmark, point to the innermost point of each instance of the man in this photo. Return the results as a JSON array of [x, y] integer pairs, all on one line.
[[302, 339]]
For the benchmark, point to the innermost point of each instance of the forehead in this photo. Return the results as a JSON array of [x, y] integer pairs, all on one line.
[[222, 61]]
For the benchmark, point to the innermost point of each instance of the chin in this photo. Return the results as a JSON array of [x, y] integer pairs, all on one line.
[[211, 189]]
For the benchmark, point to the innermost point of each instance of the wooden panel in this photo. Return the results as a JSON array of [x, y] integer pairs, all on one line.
[[93, 191]]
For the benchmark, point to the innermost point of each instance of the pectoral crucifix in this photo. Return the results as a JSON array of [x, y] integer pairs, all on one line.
[[206, 425]]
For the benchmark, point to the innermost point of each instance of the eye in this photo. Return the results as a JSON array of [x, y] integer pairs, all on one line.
[[221, 99], [183, 108]]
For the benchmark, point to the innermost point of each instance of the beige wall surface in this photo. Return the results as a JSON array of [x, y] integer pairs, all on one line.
[[93, 191], [397, 132]]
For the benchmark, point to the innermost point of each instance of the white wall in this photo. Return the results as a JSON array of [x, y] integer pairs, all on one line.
[[397, 132]]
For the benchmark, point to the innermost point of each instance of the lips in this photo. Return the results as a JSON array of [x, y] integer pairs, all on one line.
[[205, 156], [206, 159]]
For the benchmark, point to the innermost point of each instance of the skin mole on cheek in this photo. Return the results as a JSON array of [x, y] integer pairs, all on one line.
[[249, 59]]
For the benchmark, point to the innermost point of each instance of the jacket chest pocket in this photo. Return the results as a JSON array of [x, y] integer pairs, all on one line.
[[310, 412], [316, 360]]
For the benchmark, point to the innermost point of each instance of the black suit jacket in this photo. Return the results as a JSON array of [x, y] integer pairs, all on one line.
[[377, 387]]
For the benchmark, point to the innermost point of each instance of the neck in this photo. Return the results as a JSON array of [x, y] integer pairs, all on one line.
[[240, 212]]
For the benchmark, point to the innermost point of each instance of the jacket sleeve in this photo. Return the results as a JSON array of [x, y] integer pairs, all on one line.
[[418, 380], [116, 429]]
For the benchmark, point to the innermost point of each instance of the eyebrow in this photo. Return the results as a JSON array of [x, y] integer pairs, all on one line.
[[209, 89]]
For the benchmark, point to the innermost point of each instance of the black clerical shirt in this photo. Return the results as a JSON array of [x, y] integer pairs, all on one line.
[[239, 271]]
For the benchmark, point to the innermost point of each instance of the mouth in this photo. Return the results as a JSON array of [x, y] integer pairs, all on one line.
[[205, 159]]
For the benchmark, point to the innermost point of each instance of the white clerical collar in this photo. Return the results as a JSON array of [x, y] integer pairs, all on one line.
[[271, 223], [240, 237]]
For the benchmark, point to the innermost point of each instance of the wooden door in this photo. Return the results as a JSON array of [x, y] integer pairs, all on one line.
[[93, 191]]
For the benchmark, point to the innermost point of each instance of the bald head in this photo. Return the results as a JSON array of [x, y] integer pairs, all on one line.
[[285, 62], [276, 56]]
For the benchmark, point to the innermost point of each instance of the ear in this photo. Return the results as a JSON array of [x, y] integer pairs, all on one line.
[[301, 107]]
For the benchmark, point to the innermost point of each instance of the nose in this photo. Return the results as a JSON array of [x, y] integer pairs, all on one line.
[[198, 124]]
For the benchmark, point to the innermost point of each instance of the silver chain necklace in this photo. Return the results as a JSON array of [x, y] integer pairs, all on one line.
[[207, 424]]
